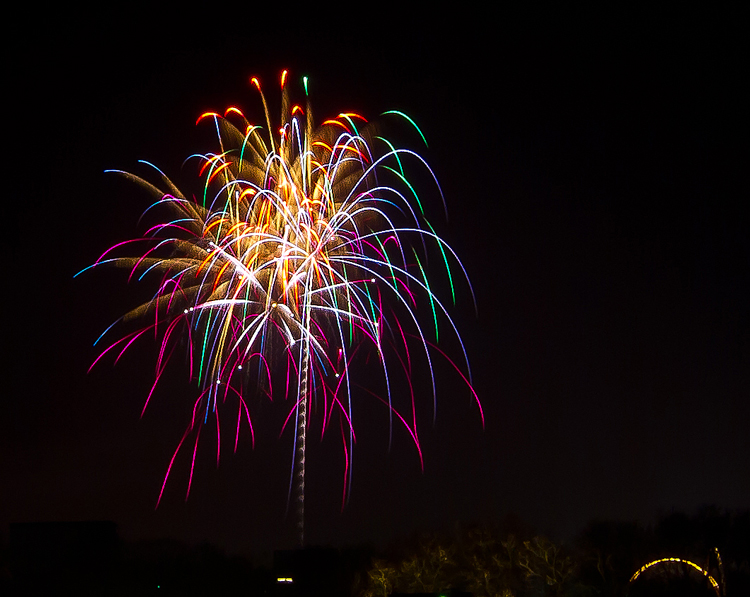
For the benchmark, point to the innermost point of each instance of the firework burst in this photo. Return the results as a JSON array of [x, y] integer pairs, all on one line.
[[305, 245]]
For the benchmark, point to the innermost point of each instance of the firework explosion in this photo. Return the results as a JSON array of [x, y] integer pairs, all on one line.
[[303, 247]]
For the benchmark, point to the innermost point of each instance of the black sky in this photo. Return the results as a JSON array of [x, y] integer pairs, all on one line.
[[594, 170]]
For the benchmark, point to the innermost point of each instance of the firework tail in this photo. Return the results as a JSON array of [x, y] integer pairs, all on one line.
[[301, 437]]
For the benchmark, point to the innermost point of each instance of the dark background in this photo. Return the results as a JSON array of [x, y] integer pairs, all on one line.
[[594, 166]]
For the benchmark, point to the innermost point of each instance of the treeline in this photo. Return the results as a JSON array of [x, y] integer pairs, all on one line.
[[710, 555]]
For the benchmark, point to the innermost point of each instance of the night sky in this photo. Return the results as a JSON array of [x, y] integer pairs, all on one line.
[[594, 167]]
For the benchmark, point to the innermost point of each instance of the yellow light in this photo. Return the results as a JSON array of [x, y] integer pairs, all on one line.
[[353, 115], [219, 169], [322, 144], [235, 110], [705, 573], [206, 115], [336, 122]]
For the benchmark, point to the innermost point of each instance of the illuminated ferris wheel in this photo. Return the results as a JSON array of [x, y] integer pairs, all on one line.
[[679, 573]]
